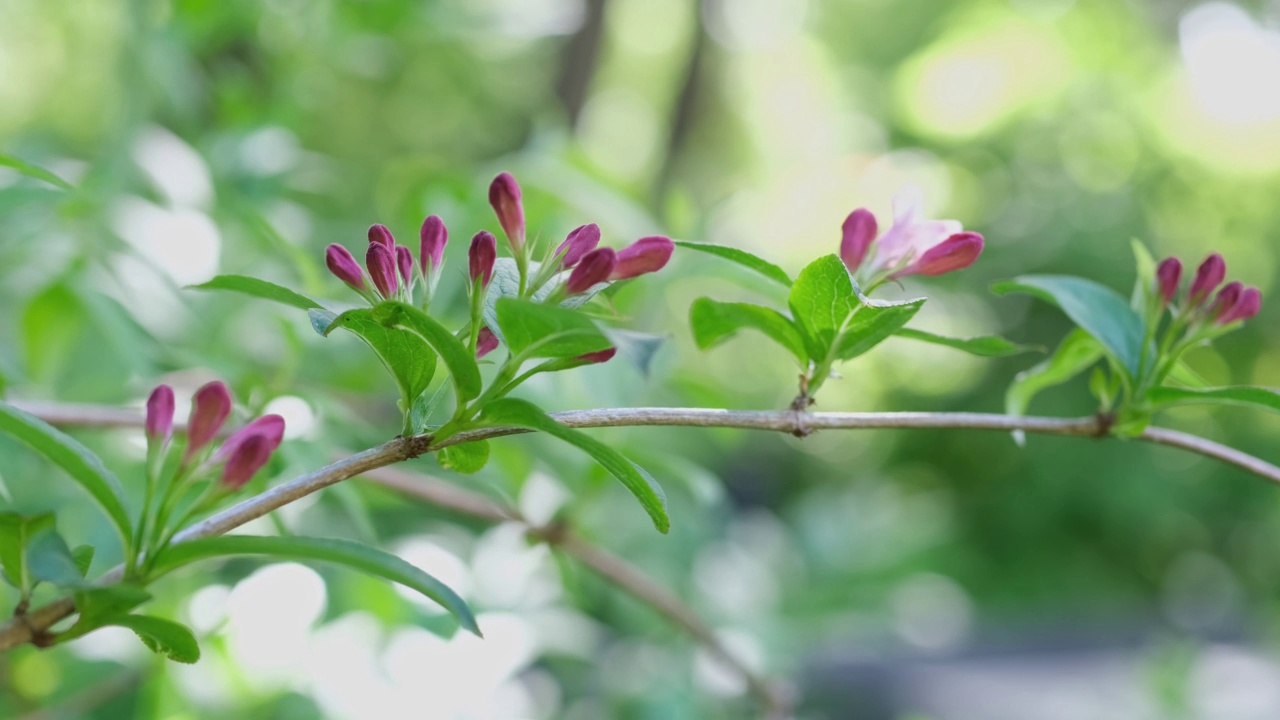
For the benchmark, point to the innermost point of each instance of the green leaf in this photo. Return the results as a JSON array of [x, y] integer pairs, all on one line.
[[1077, 352], [462, 366], [714, 322], [873, 323], [49, 560], [821, 300], [97, 606], [533, 330], [1257, 397], [260, 289], [75, 459], [363, 558], [1095, 308], [1186, 377], [16, 533], [404, 354], [505, 283], [163, 637], [82, 556], [741, 257], [983, 346], [1144, 285], [637, 347], [466, 458], [510, 412], [34, 171]]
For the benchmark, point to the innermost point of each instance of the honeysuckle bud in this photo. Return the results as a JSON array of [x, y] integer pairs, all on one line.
[[246, 461], [1209, 276], [486, 342], [581, 240], [381, 261], [434, 237], [955, 253], [160, 415], [858, 232], [482, 255], [1246, 306], [378, 233], [646, 255], [1168, 275], [595, 267], [404, 260], [599, 356], [344, 266], [270, 427], [504, 196], [209, 410], [1226, 301]]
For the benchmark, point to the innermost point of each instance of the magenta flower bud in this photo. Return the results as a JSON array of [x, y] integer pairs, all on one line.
[[599, 356], [246, 461], [344, 266], [378, 233], [1209, 276], [209, 410], [486, 342], [859, 231], [646, 255], [381, 261], [581, 240], [160, 415], [270, 427], [481, 256], [955, 253], [404, 259], [1168, 275], [1226, 301], [504, 196], [1246, 306], [434, 237], [595, 267]]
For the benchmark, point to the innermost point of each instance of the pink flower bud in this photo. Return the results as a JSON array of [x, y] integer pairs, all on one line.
[[504, 196], [646, 255], [581, 240], [160, 415], [486, 342], [1248, 305], [404, 259], [344, 266], [1168, 275], [209, 410], [1226, 301], [955, 253], [378, 233], [381, 261], [483, 253], [599, 356], [434, 237], [595, 267], [246, 461], [859, 231], [270, 427], [1209, 275]]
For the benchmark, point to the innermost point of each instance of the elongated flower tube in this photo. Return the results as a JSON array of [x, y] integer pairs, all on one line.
[[486, 342], [344, 266], [1246, 306], [209, 410], [378, 233], [159, 423], [434, 237], [646, 255], [504, 196], [381, 262], [1168, 275], [270, 427], [1209, 276], [481, 256], [580, 241], [595, 267], [955, 253], [404, 261], [245, 462], [857, 234]]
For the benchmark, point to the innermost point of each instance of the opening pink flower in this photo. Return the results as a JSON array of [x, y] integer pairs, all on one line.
[[913, 245]]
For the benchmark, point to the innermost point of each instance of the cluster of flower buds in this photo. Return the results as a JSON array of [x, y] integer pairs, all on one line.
[[239, 457], [391, 267], [912, 246], [1233, 302]]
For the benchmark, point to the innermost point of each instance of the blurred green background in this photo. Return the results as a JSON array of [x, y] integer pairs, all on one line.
[[883, 575]]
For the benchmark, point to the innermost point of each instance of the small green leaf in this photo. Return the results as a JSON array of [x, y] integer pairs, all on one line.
[[533, 330], [321, 320], [462, 365], [1265, 398], [1077, 352], [80, 464], [1186, 377], [34, 171], [983, 346], [714, 322], [97, 606], [519, 413], [1095, 308], [49, 560], [342, 552], [404, 354], [466, 458], [82, 556], [873, 323], [1144, 286], [16, 533], [260, 289], [163, 637], [821, 300], [741, 257]]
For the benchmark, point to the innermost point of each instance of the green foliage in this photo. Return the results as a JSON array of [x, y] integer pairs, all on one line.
[[163, 637], [262, 289], [50, 560], [34, 171], [16, 533], [714, 322], [409, 359], [456, 357], [741, 257], [466, 458], [1078, 351], [533, 330], [822, 300], [984, 346], [1256, 397]]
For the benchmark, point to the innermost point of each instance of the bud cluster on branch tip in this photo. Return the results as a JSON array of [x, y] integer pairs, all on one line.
[[486, 342], [160, 416], [911, 246], [1233, 302], [248, 449], [209, 410], [481, 257], [580, 241], [431, 253], [504, 196], [595, 267]]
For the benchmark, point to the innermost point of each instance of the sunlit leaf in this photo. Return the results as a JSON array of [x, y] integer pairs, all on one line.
[[873, 323], [405, 355], [982, 346], [1247, 396], [466, 458], [1078, 351], [34, 171], [714, 322], [741, 257], [821, 301], [258, 288], [534, 330], [462, 365], [164, 637]]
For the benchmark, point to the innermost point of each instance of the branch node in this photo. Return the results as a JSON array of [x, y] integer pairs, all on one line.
[[1105, 421]]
